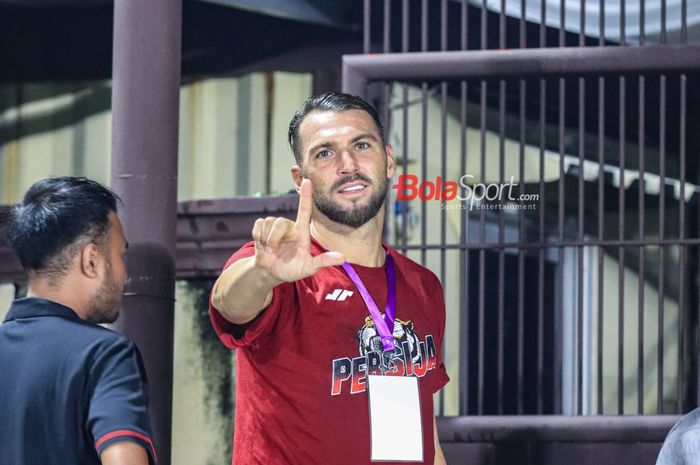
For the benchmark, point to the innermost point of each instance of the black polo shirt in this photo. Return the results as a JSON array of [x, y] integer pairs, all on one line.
[[68, 388]]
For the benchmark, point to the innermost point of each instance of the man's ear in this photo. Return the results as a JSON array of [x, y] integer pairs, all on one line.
[[390, 162], [297, 177], [90, 258]]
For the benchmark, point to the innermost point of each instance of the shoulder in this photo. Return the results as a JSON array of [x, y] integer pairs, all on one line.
[[95, 339], [690, 422], [82, 345]]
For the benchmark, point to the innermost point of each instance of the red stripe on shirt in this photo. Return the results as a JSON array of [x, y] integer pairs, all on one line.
[[126, 432]]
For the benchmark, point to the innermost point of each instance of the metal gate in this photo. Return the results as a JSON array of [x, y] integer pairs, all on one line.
[[577, 292]]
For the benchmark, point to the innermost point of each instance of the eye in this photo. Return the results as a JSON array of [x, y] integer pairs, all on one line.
[[323, 154], [362, 145]]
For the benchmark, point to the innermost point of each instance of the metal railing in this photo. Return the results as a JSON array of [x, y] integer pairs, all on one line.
[[588, 302]]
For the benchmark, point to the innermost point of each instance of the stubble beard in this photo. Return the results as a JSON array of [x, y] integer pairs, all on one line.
[[104, 305], [353, 217]]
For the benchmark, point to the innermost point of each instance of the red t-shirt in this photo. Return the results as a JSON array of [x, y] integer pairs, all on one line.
[[301, 365]]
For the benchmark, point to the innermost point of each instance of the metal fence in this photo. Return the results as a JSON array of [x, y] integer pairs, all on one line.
[[578, 294]]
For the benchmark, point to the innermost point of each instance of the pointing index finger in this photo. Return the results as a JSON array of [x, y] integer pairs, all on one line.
[[305, 204]]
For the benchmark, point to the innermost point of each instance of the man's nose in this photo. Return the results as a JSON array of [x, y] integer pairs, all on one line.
[[348, 162]]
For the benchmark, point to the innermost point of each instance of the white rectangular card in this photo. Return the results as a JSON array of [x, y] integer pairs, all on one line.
[[395, 419]]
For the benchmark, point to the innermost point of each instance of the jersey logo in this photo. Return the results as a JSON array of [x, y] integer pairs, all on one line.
[[369, 339], [339, 295], [410, 357]]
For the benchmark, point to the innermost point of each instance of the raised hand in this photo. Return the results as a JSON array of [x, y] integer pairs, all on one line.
[[283, 247]]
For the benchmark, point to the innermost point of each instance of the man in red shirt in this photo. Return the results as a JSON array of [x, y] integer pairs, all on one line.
[[301, 301]]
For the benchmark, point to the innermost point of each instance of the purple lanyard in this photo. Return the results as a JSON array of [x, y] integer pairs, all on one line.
[[384, 326]]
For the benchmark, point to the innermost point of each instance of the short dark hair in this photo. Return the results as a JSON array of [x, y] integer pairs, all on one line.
[[331, 101], [52, 218]]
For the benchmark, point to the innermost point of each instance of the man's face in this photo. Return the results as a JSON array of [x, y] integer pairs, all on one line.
[[343, 156], [104, 304]]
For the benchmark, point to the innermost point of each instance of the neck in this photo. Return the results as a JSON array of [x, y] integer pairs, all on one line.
[[42, 288], [361, 246]]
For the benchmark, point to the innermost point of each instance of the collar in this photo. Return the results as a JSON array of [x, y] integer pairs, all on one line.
[[318, 249], [29, 307]]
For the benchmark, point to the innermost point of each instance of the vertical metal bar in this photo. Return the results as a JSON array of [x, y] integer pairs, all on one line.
[[463, 240], [404, 123], [696, 326], [601, 23], [581, 210], [601, 237], [541, 251], [502, 26], [464, 268], [523, 24], [642, 234], [424, 133], [601, 214], [385, 111], [443, 25], [387, 26], [465, 22], [443, 167], [696, 330], [543, 25], [405, 26], [484, 25], [562, 23], [424, 169], [521, 229], [482, 252], [621, 256], [642, 22], [664, 37], [521, 256], [366, 29], [269, 111], [582, 24], [561, 199], [683, 251], [501, 251], [541, 262], [684, 21], [621, 229], [145, 102], [662, 249], [623, 12], [424, 26]]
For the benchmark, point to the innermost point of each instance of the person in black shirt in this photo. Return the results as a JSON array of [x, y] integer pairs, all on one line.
[[71, 392]]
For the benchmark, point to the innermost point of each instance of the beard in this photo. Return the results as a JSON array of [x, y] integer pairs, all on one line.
[[104, 304], [355, 216]]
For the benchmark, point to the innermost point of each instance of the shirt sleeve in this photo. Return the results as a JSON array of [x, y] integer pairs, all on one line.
[[439, 376], [233, 335], [119, 401]]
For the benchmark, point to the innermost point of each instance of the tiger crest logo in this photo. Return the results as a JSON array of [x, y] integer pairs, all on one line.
[[369, 339], [410, 357]]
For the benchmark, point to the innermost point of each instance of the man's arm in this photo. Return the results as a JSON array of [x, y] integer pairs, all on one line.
[[439, 456], [228, 297], [282, 254], [124, 453]]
